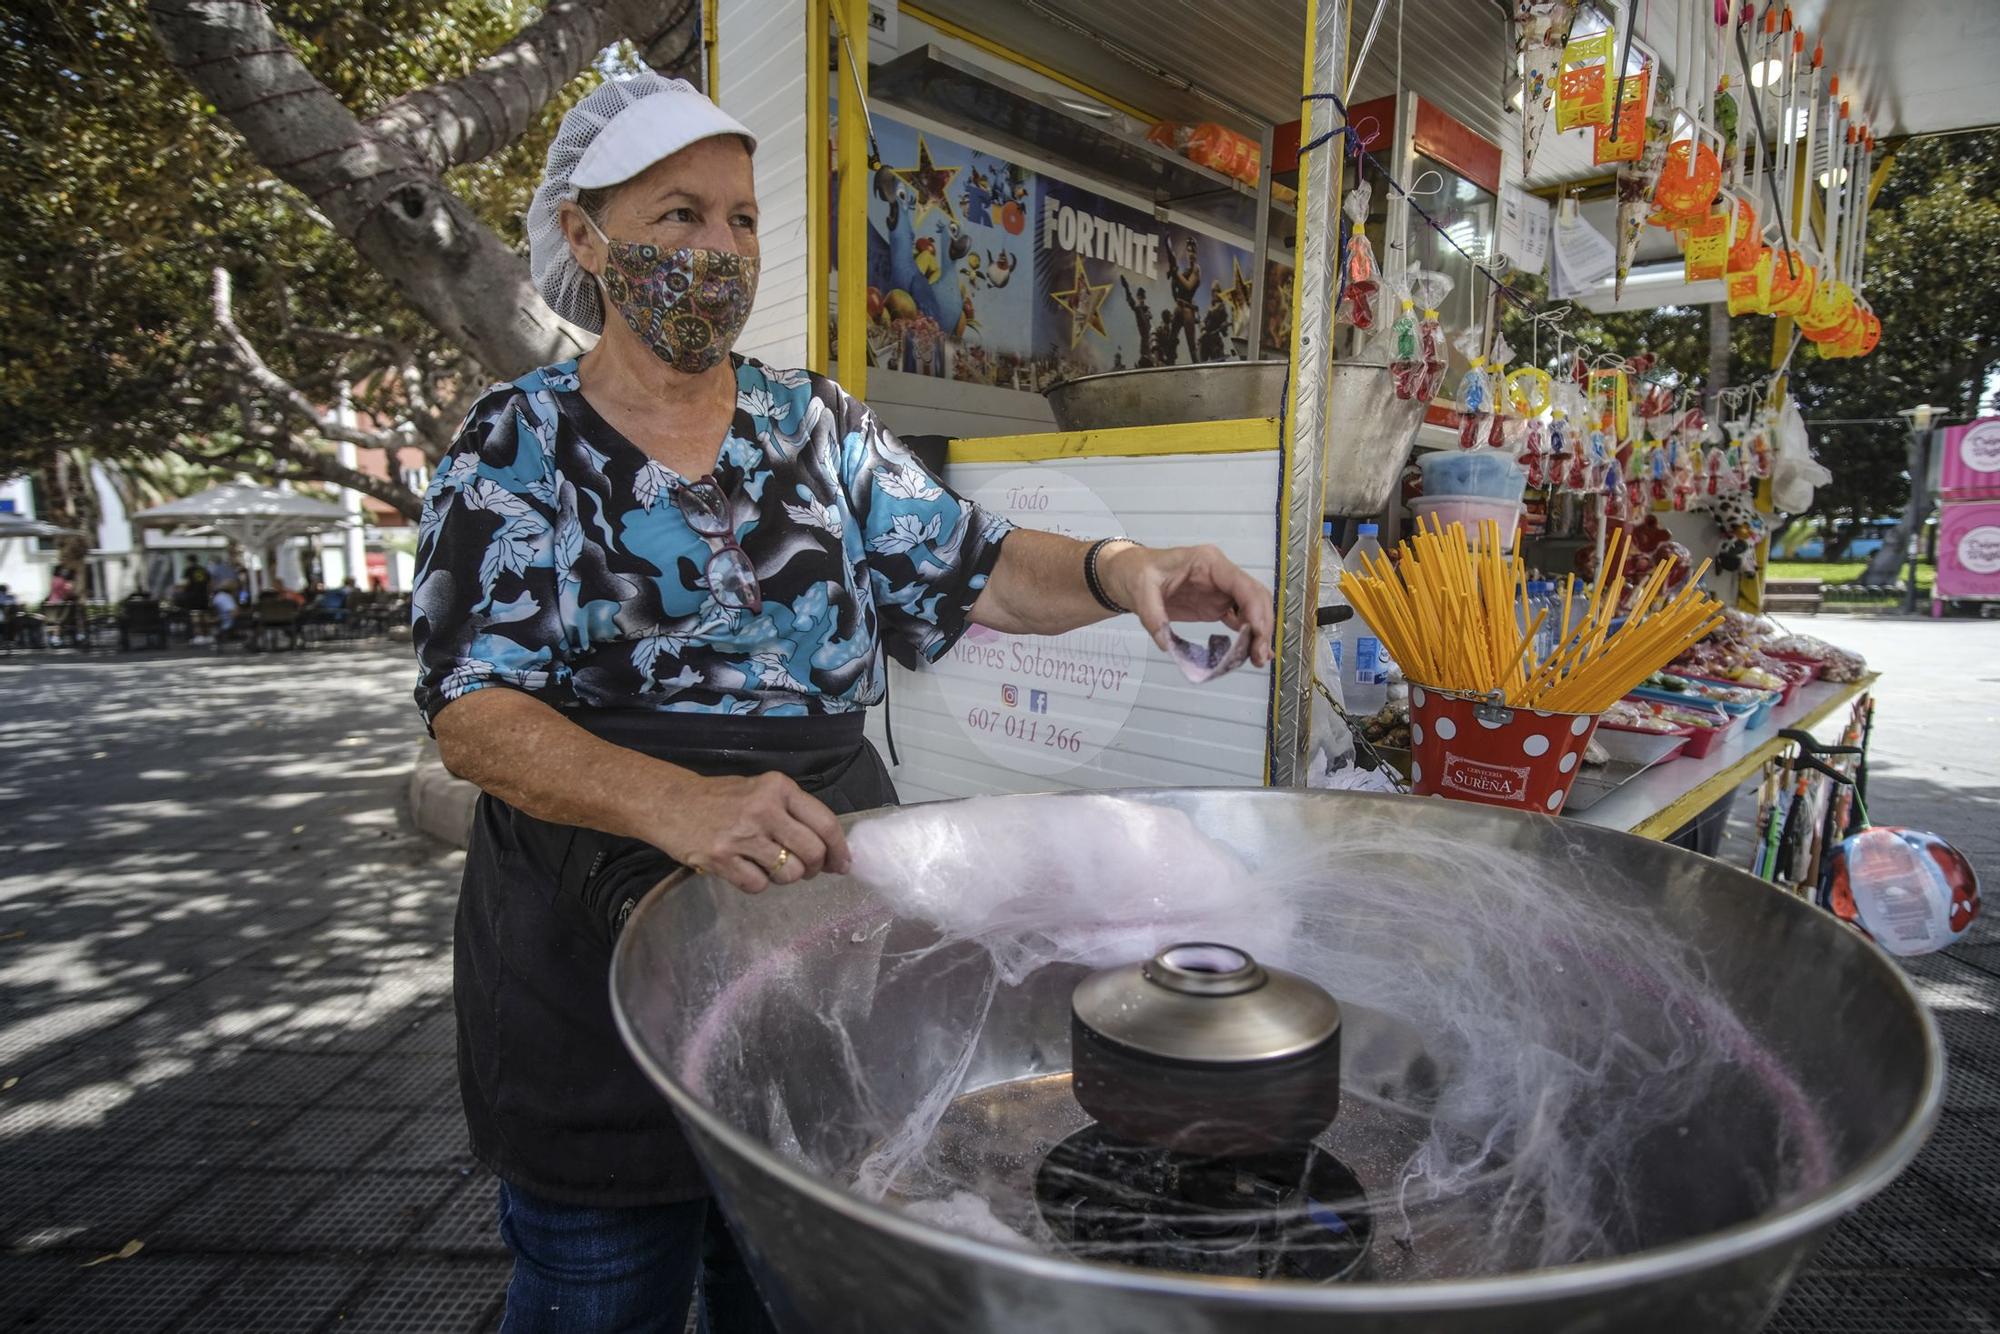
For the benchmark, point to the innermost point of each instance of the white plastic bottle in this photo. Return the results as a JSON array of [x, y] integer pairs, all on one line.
[[1331, 652], [1364, 677]]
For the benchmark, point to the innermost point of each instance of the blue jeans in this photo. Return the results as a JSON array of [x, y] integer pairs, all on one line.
[[584, 1269]]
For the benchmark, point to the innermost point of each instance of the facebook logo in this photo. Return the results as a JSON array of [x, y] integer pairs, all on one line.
[[1038, 701]]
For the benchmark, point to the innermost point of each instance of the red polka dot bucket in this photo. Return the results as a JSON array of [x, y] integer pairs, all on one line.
[[1475, 748]]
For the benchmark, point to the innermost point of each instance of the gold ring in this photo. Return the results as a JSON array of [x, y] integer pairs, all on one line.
[[784, 855]]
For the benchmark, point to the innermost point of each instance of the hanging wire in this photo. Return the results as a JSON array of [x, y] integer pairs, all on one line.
[[1368, 43], [860, 95]]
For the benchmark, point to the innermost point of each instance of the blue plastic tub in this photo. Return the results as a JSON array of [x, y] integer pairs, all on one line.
[[1490, 474]]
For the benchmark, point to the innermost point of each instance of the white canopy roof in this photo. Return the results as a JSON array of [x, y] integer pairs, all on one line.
[[250, 514], [20, 525]]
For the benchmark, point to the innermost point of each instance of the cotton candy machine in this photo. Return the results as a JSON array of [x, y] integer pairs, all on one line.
[[1347, 1061]]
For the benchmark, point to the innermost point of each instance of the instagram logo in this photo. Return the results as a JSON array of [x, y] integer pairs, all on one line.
[[1010, 696]]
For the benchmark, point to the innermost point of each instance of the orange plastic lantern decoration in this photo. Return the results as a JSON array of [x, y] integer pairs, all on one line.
[[1706, 248], [1871, 331], [1583, 93], [1827, 314], [1790, 288], [1631, 129], [1690, 181], [1745, 298], [1746, 246]]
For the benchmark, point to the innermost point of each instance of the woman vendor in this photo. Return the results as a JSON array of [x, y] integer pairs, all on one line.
[[686, 569]]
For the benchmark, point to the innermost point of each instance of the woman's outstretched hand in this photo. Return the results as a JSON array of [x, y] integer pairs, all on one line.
[[1167, 584]]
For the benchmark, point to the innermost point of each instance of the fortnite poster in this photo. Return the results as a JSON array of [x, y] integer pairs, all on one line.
[[1120, 289], [982, 271]]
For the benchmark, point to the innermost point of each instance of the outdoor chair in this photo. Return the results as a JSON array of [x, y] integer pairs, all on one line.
[[272, 617], [365, 614], [20, 628], [139, 619]]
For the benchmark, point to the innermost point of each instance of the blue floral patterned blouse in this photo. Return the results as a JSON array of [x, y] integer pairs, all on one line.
[[553, 558]]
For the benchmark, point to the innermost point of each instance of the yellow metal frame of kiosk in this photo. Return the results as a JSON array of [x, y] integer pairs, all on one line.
[[1678, 813], [1250, 435]]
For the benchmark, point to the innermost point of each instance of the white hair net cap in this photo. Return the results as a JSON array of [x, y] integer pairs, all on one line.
[[623, 127]]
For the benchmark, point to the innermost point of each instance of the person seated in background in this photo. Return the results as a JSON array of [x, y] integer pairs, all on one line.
[[7, 599], [225, 606]]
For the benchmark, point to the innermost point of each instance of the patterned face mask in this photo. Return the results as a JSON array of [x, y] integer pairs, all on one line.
[[688, 305]]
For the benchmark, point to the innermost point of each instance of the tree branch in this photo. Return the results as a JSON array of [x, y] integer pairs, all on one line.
[[327, 467], [468, 119], [252, 370], [250, 367], [373, 188]]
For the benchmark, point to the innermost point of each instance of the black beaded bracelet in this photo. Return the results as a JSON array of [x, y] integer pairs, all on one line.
[[1090, 574]]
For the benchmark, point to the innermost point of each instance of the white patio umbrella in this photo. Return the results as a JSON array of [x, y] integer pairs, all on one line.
[[252, 516], [20, 525]]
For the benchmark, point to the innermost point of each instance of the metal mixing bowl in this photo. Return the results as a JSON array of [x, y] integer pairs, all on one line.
[[1825, 1001], [1370, 431]]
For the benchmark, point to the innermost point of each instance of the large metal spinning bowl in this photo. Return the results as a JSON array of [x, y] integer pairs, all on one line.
[[1718, 1250]]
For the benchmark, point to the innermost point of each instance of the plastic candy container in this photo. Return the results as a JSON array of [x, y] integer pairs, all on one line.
[[1491, 474]]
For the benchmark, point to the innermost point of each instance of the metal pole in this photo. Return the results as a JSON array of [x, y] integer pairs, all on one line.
[[1261, 253], [1920, 470], [851, 153], [1303, 448]]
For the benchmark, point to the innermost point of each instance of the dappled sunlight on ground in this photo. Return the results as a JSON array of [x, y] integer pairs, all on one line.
[[225, 981]]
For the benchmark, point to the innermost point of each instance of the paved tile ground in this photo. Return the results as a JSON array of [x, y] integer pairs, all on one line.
[[1924, 1256], [224, 999], [225, 1027]]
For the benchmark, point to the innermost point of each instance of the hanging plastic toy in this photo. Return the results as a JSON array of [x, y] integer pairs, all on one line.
[[1576, 456], [1430, 288], [1686, 467], [1659, 480], [1357, 298], [1576, 467], [1736, 459], [1498, 426], [1404, 368], [1475, 391], [1601, 456]]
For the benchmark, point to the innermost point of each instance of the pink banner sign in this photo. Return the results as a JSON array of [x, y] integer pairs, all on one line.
[[1968, 549], [1971, 464]]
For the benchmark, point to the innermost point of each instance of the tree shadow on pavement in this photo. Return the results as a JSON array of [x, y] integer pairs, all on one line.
[[225, 1025]]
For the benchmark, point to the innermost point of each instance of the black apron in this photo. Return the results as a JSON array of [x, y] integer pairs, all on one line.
[[554, 1102]]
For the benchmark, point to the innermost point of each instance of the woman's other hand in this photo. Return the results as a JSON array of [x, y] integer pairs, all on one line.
[[752, 832], [1162, 585]]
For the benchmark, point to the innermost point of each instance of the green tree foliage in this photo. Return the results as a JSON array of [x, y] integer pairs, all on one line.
[[127, 190]]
